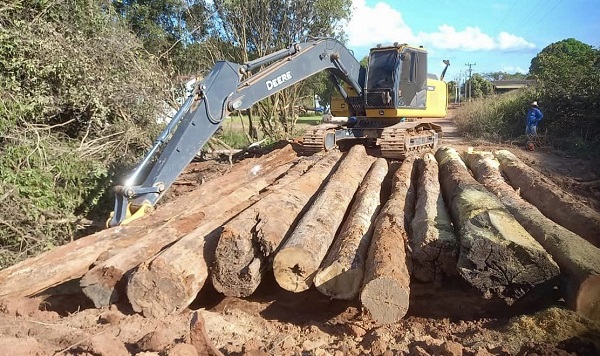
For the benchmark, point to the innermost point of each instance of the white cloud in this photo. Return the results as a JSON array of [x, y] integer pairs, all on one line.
[[470, 39], [379, 24], [513, 70], [385, 25], [508, 41]]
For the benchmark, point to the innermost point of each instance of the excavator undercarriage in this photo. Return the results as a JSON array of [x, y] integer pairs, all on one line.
[[395, 141]]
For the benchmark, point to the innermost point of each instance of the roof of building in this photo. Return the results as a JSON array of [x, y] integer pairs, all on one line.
[[513, 84]]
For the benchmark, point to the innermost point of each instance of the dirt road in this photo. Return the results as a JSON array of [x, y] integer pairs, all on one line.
[[448, 316]]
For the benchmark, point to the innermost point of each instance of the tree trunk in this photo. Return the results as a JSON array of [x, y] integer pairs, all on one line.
[[497, 255], [386, 286], [73, 260], [248, 241], [341, 274], [550, 199], [579, 261], [434, 245], [101, 284], [299, 258]]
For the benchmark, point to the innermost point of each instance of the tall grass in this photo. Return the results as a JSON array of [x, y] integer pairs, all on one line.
[[496, 118]]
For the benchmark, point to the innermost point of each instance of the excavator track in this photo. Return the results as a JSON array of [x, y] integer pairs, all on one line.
[[318, 138], [399, 140]]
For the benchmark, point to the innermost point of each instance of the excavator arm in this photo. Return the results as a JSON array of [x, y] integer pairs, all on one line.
[[227, 87]]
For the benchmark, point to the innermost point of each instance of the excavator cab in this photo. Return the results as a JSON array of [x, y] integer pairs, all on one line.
[[397, 87], [396, 78]]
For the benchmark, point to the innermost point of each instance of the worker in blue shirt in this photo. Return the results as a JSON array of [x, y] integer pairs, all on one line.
[[534, 116]]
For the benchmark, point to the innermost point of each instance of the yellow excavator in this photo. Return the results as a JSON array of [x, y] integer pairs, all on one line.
[[383, 103], [385, 111]]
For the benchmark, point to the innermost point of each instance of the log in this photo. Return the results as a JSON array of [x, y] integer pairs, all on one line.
[[73, 260], [386, 287], [434, 245], [497, 255], [248, 241], [102, 283], [579, 260], [170, 282], [341, 273], [299, 258], [550, 199]]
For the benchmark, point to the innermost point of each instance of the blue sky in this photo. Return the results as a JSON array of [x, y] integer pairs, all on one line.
[[497, 35]]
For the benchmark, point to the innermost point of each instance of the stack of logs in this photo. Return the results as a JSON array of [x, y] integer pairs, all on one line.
[[327, 220]]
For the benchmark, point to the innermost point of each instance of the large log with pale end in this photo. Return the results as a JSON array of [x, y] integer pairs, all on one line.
[[73, 260], [386, 288], [579, 260], [341, 273], [550, 199], [497, 255], [299, 258], [103, 284], [434, 245], [249, 240]]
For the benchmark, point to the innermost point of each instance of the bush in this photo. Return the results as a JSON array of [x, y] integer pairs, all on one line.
[[496, 118], [79, 98]]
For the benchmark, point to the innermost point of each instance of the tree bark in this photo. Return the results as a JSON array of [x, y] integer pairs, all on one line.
[[73, 260], [102, 283], [386, 287], [434, 245], [550, 199], [170, 282], [249, 240], [579, 261], [299, 258], [341, 274], [497, 255]]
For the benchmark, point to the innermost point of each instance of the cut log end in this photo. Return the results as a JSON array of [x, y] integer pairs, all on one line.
[[292, 268], [385, 299], [103, 286], [243, 283], [158, 296], [335, 282], [588, 298]]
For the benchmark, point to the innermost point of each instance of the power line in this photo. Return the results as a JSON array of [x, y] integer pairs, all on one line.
[[539, 19]]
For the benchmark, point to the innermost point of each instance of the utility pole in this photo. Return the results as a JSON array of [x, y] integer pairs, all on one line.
[[470, 92]]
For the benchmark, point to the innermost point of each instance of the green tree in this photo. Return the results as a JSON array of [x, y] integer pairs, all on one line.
[[247, 29], [480, 87], [569, 72], [169, 29], [568, 67], [504, 76], [364, 61]]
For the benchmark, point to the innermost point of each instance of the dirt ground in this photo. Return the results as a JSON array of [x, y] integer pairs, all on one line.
[[446, 319]]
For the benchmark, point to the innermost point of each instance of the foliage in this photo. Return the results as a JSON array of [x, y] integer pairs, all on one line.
[[496, 118], [169, 29], [243, 30], [505, 76], [78, 104], [569, 96], [480, 87], [569, 72]]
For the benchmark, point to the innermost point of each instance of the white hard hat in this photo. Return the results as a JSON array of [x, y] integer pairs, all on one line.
[[534, 103]]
